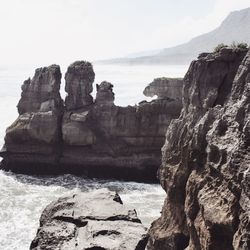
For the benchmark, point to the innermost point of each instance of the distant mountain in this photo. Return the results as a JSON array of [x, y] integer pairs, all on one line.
[[236, 27], [144, 53]]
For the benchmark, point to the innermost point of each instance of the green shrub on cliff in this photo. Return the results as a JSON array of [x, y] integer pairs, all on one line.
[[219, 47], [234, 46], [242, 46]]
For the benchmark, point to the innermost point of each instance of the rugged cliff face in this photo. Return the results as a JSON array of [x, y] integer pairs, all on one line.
[[86, 136], [206, 159]]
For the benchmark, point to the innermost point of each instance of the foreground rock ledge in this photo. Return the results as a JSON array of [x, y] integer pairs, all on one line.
[[206, 159], [96, 220]]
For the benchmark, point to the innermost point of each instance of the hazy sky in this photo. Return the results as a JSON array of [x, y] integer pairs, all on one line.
[[61, 31]]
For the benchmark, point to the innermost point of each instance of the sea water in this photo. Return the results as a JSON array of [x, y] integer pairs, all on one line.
[[23, 198]]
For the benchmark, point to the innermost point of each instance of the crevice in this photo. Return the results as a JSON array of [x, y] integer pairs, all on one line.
[[96, 248], [106, 232], [142, 243], [80, 222], [223, 91], [77, 222], [59, 143]]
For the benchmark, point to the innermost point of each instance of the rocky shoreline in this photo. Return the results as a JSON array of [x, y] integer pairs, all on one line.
[[205, 168], [83, 135]]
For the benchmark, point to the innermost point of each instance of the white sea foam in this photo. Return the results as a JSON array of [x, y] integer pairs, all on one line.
[[22, 199]]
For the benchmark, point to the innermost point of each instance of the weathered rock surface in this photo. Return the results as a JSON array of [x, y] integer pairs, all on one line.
[[36, 131], [105, 94], [41, 93], [94, 138], [121, 141], [96, 220], [165, 87], [79, 80], [206, 160]]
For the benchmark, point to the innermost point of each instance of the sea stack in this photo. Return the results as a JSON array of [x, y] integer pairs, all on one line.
[[41, 93], [205, 165], [104, 94], [35, 136], [84, 136], [79, 80]]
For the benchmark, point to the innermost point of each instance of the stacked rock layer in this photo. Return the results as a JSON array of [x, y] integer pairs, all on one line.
[[85, 136]]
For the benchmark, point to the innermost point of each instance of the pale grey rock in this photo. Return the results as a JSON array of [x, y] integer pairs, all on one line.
[[95, 220], [75, 129]]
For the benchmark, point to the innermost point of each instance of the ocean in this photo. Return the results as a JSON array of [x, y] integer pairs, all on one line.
[[23, 198]]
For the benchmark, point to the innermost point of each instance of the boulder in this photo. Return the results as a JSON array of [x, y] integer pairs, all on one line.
[[78, 85], [205, 164], [165, 88], [95, 220]]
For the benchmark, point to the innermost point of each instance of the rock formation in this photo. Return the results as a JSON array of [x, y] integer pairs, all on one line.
[[165, 87], [206, 159], [36, 132], [79, 80], [42, 92], [96, 220], [93, 138], [105, 95]]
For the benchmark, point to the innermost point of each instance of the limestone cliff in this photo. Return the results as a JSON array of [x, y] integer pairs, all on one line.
[[85, 136], [206, 159]]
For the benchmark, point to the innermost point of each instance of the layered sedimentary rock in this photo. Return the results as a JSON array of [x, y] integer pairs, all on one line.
[[206, 159], [41, 93], [94, 138], [35, 135], [79, 80], [96, 220], [109, 140], [165, 87], [105, 94]]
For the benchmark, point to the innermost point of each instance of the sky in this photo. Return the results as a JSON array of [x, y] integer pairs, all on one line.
[[62, 31]]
